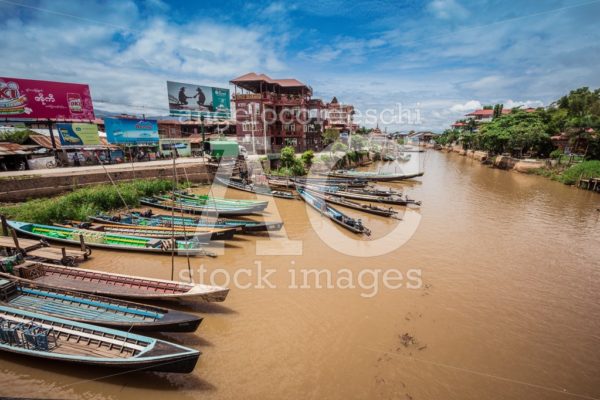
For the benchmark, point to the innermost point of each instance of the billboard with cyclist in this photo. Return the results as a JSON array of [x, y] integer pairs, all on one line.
[[195, 101]]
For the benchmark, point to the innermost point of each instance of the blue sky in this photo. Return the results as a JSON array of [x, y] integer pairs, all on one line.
[[444, 57]]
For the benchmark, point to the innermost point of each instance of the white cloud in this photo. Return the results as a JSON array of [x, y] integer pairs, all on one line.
[[447, 9], [525, 104], [470, 105], [129, 75]]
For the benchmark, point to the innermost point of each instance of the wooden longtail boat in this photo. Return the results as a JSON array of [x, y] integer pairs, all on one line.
[[163, 220], [373, 176], [397, 200], [194, 209], [333, 214], [115, 285], [264, 190], [45, 337], [374, 191], [290, 182], [220, 201], [330, 198], [159, 232], [201, 203], [110, 241], [92, 309]]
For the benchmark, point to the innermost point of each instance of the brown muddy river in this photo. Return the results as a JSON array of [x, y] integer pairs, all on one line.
[[508, 308]]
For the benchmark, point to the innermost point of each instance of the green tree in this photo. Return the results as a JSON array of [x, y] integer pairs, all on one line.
[[339, 146], [15, 136], [330, 135], [307, 158], [288, 157], [357, 142]]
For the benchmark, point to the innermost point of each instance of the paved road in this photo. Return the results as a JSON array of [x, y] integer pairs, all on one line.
[[111, 168]]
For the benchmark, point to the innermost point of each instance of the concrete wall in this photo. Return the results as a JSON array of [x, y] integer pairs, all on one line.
[[34, 186]]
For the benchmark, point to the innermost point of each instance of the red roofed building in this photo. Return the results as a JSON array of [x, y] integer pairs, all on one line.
[[283, 104]]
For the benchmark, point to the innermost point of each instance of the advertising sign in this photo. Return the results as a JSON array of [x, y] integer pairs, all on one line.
[[78, 134], [26, 98], [183, 146], [194, 101], [131, 131]]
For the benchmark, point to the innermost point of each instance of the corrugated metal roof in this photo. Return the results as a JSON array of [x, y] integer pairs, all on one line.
[[10, 149], [45, 141]]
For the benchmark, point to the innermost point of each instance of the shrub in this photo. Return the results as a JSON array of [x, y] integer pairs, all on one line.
[[556, 154], [81, 203], [307, 158], [584, 170]]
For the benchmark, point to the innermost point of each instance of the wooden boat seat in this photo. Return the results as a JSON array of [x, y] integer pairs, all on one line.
[[25, 244], [56, 254], [154, 243]]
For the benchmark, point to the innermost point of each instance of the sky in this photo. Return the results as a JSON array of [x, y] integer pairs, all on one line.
[[434, 59]]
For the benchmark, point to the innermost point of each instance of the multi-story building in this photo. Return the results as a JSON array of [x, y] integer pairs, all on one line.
[[273, 113], [339, 116]]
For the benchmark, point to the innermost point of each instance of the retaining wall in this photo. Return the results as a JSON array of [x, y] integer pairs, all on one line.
[[33, 186]]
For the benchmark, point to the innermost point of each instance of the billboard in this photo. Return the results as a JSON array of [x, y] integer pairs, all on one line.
[[78, 134], [194, 101], [26, 98], [183, 147], [131, 131]]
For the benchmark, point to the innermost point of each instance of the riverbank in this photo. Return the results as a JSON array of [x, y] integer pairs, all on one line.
[[570, 175]]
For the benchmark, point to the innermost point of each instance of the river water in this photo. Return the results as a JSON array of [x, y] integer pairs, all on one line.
[[508, 306]]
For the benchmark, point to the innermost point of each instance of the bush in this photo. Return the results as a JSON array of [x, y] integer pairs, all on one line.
[[307, 158], [584, 170], [81, 203], [556, 154]]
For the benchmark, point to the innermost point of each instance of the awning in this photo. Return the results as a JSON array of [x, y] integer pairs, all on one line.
[[46, 142], [14, 149]]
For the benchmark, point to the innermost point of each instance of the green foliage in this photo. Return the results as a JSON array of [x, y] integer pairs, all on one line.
[[339, 146], [290, 165], [519, 131], [81, 203], [307, 158], [330, 135], [353, 156], [357, 142], [16, 136], [288, 156], [363, 131], [584, 170], [529, 132], [556, 153], [448, 137]]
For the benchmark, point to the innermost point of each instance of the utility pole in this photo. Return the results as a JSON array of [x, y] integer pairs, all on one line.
[[252, 126]]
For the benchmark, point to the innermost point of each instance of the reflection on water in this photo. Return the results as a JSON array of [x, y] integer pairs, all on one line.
[[509, 307]]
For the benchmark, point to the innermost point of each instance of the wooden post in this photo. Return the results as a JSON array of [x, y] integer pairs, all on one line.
[[4, 225], [64, 253], [81, 242], [15, 239]]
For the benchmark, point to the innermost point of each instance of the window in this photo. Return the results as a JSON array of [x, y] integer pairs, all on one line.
[[249, 126], [289, 128]]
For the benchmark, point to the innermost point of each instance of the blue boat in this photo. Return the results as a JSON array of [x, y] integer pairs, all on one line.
[[45, 337], [148, 218], [353, 225], [92, 309]]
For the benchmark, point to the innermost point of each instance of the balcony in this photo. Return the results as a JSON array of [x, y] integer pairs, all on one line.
[[271, 98]]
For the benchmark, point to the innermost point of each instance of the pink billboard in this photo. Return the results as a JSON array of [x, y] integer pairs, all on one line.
[[26, 98]]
